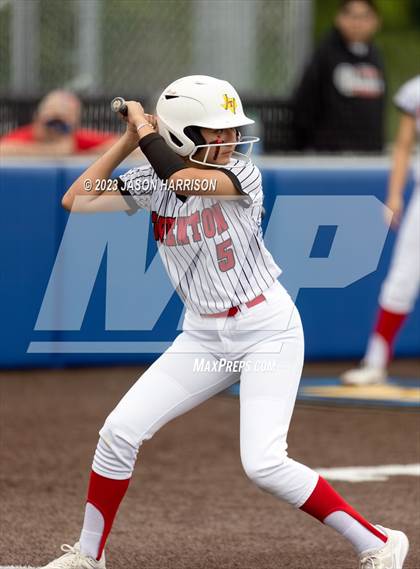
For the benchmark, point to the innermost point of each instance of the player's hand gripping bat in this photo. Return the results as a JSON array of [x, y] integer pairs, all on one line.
[[118, 105]]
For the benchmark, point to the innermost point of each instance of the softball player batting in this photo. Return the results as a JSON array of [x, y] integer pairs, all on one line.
[[236, 312], [401, 286]]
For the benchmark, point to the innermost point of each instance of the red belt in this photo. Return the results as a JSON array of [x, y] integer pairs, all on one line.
[[235, 309]]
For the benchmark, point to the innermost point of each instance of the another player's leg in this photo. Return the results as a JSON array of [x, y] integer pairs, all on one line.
[[398, 295], [267, 402], [168, 389]]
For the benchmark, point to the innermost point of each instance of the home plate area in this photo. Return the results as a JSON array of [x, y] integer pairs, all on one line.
[[394, 393], [403, 393]]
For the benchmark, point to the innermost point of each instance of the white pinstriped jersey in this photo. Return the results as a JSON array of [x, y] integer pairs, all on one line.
[[212, 248], [407, 100]]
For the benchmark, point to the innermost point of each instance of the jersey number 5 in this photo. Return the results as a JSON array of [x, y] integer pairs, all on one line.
[[225, 256]]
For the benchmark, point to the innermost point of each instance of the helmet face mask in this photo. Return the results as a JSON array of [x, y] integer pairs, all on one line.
[[196, 102], [244, 156]]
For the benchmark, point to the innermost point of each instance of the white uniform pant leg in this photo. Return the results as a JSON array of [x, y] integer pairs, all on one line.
[[267, 399], [169, 388], [401, 286]]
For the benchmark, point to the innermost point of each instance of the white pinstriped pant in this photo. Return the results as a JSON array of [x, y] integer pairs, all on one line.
[[267, 334], [401, 286]]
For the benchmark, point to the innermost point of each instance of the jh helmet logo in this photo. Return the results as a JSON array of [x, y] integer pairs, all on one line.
[[229, 104]]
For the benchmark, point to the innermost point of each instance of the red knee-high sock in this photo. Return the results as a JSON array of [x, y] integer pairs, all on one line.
[[106, 495], [388, 325], [324, 500]]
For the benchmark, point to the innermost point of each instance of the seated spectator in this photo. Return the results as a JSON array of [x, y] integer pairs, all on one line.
[[339, 103], [55, 131]]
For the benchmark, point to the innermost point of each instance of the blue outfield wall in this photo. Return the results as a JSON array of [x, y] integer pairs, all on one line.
[[336, 319]]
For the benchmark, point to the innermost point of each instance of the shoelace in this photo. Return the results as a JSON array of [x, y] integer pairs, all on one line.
[[371, 562], [66, 549]]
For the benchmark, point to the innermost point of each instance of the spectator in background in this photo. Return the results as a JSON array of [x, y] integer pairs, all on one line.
[[339, 103], [55, 130]]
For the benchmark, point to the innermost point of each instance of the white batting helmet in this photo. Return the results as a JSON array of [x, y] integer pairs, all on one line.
[[198, 101]]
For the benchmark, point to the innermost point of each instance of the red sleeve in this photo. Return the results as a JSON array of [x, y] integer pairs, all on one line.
[[22, 135], [86, 139]]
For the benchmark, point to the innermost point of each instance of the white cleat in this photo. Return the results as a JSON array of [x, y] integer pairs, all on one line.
[[391, 556], [364, 375], [73, 559]]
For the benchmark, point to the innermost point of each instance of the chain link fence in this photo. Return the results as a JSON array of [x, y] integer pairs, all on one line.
[[134, 48], [108, 47]]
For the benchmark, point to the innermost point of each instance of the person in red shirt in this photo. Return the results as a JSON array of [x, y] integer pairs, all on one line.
[[55, 131]]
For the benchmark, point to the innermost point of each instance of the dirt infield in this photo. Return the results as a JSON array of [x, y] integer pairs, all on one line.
[[189, 506]]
